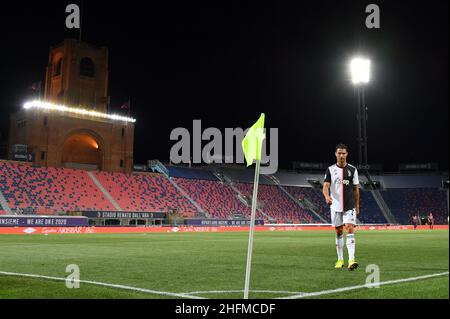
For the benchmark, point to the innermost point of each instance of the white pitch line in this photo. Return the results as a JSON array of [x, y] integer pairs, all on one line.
[[164, 293], [190, 294], [236, 291], [390, 282]]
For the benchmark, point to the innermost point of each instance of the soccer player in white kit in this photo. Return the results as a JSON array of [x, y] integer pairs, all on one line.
[[341, 191]]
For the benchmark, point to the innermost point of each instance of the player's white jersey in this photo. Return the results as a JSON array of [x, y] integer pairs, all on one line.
[[342, 180]]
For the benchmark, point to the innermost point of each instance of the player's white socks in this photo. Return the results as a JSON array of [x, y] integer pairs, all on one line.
[[340, 246], [351, 246]]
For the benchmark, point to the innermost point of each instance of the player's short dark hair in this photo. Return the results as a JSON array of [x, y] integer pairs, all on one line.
[[342, 146]]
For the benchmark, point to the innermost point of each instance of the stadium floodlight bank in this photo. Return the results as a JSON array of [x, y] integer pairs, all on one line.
[[79, 111]]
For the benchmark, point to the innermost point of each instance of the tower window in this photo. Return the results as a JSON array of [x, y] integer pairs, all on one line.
[[42, 156], [123, 131], [121, 163], [87, 67], [45, 121]]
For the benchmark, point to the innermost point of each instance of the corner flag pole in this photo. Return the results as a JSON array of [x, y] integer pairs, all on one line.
[[252, 147], [252, 226]]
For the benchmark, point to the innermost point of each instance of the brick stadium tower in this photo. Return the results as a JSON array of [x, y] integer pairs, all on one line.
[[71, 126]]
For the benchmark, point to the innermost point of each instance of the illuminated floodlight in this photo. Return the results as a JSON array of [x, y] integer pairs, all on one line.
[[62, 108], [360, 70]]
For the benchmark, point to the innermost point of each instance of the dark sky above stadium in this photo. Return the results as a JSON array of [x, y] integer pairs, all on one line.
[[225, 63]]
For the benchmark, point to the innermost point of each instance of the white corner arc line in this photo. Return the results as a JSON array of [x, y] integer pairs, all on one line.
[[164, 293], [390, 282]]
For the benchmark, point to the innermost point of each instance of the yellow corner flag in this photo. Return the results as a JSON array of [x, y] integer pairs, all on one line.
[[252, 142]]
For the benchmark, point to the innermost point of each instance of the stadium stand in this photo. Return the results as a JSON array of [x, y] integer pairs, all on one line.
[[277, 204], [49, 189], [144, 192], [218, 199], [370, 213], [405, 202], [304, 194]]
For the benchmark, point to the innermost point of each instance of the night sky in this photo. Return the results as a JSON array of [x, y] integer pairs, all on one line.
[[226, 63]]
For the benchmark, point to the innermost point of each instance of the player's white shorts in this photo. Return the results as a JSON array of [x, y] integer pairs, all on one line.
[[341, 218]]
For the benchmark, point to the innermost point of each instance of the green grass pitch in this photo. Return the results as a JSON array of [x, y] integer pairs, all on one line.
[[284, 264]]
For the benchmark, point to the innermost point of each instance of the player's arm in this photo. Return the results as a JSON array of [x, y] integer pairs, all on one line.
[[326, 192], [356, 192], [326, 187]]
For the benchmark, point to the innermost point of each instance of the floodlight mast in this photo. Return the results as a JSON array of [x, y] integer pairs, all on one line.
[[360, 72]]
